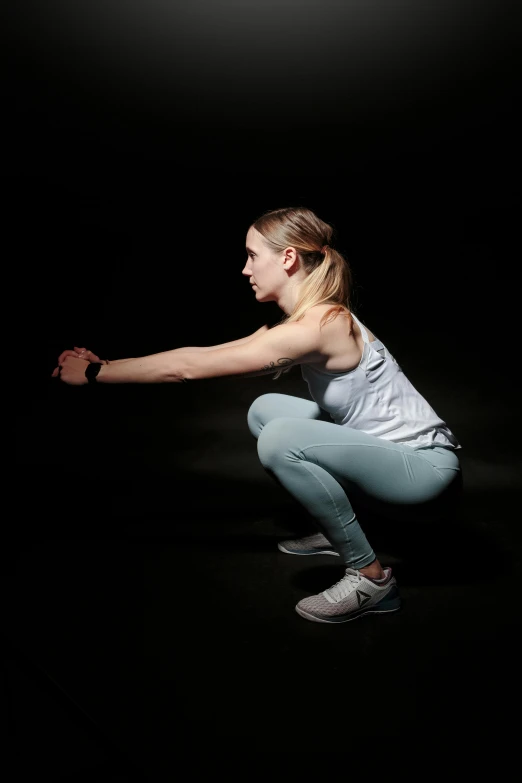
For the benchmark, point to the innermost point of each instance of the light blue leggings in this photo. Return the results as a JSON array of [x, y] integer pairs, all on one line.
[[318, 462]]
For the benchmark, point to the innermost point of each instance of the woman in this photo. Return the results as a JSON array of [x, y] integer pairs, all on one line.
[[366, 432]]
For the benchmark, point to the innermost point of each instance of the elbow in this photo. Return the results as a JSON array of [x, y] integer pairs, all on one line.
[[181, 372], [175, 376], [175, 372]]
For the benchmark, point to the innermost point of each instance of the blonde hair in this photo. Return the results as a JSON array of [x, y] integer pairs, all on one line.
[[329, 276]]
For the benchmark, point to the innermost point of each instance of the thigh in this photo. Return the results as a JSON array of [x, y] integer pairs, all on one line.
[[381, 470], [273, 405]]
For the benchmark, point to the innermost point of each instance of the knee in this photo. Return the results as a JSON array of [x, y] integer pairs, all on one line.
[[259, 412], [271, 442]]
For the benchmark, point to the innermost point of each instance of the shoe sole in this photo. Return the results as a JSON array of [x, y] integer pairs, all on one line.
[[391, 606], [308, 552]]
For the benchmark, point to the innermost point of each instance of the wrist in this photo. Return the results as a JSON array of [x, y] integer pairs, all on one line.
[[92, 371], [102, 372]]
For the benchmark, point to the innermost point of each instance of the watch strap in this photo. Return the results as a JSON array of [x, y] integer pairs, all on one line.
[[92, 371]]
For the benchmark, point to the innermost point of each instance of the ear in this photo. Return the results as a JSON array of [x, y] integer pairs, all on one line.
[[290, 258]]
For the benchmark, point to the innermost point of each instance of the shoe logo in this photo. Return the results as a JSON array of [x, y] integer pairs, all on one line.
[[362, 597]]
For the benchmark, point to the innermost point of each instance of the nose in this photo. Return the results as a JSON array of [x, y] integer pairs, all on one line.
[[246, 270]]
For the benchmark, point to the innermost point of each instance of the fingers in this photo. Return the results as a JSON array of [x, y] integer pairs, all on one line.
[[89, 356], [67, 353], [78, 353]]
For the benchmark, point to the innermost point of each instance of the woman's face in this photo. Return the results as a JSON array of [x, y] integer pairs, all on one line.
[[264, 268]]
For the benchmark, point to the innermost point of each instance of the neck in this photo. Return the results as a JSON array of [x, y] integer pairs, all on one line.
[[288, 298]]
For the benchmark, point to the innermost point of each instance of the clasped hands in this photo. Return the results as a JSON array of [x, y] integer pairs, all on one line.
[[72, 365]]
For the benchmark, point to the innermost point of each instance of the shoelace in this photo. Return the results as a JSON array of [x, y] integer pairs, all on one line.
[[345, 585]]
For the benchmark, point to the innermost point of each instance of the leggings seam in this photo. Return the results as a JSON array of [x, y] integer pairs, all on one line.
[[374, 446], [348, 542]]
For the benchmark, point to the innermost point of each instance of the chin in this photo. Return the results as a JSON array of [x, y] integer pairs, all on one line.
[[262, 297]]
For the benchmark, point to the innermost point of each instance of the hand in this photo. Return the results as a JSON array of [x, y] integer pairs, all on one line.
[[72, 371], [78, 353]]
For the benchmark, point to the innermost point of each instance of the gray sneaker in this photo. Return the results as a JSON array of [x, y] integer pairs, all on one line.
[[351, 597], [316, 544]]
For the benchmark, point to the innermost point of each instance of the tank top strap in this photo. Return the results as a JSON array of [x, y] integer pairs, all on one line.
[[364, 333]]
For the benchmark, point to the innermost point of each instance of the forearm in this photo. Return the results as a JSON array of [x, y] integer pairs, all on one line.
[[176, 366], [194, 349], [166, 367]]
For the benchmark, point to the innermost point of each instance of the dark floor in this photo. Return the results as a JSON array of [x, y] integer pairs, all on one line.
[[148, 612]]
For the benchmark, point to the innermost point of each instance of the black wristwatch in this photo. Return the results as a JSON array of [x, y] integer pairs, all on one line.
[[92, 371]]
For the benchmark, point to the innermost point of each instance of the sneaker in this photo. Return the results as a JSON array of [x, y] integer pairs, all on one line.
[[316, 544], [351, 597]]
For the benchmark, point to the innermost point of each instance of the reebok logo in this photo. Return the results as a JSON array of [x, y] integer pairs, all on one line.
[[362, 597]]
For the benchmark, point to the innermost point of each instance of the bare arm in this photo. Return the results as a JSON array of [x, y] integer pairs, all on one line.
[[241, 341], [199, 349], [268, 353]]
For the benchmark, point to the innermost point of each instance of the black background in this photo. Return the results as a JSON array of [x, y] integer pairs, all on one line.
[[146, 140], [143, 141]]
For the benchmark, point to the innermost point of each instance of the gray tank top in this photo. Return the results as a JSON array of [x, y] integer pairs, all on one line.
[[377, 398]]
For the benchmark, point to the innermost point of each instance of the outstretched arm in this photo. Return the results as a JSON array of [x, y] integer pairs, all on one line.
[[89, 356], [198, 349], [267, 353]]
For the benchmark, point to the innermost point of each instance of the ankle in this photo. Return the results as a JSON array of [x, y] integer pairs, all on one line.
[[374, 570]]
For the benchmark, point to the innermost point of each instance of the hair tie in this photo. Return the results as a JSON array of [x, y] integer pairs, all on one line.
[[324, 249]]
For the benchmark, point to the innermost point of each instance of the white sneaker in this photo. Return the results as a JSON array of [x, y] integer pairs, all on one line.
[[351, 597], [316, 544]]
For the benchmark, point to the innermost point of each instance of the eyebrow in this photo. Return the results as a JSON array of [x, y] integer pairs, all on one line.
[[249, 250]]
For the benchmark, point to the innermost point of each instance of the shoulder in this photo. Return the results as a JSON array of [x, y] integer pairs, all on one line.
[[339, 338], [316, 335], [300, 338], [328, 313], [329, 323]]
